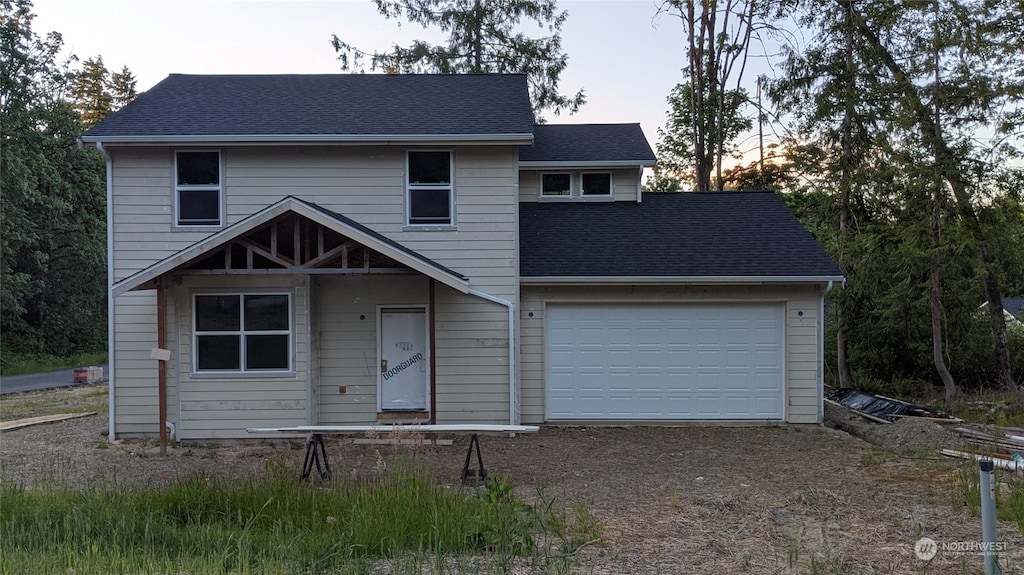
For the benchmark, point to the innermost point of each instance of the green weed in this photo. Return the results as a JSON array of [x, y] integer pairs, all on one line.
[[273, 524]]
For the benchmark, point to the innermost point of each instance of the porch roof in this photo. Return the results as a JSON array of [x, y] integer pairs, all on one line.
[[337, 222]]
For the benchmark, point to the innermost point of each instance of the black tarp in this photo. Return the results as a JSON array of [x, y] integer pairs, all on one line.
[[882, 407]]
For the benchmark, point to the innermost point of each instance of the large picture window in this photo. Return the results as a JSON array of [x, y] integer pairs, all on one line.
[[198, 189], [242, 332], [430, 196]]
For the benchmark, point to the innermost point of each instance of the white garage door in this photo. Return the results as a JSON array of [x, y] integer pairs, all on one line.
[[665, 361]]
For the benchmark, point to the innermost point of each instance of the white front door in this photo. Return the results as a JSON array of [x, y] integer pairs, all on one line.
[[403, 378]]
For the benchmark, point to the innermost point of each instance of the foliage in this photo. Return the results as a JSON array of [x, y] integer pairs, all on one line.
[[883, 147], [12, 363], [96, 92], [706, 111], [482, 37], [268, 525], [677, 151], [53, 205]]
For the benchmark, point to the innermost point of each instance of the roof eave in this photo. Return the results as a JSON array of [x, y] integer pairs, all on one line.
[[540, 165], [516, 139], [666, 280]]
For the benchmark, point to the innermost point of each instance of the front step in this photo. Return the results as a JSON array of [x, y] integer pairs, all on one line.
[[403, 418]]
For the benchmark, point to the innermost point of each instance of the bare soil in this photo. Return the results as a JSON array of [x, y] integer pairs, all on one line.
[[711, 499]]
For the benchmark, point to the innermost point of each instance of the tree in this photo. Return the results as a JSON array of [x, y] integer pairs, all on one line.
[[96, 92], [695, 137], [89, 92], [482, 37], [122, 86], [982, 44], [899, 153], [52, 209], [706, 110]]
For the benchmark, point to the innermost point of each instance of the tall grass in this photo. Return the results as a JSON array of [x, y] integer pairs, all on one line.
[[270, 525], [1009, 498]]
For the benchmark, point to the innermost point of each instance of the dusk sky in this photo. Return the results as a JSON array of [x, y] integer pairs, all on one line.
[[621, 52]]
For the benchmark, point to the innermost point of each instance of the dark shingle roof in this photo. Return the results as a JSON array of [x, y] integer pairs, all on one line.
[[588, 143], [324, 105], [1014, 305], [735, 234]]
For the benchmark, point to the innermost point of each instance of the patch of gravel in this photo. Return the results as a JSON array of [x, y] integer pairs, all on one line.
[[670, 500]]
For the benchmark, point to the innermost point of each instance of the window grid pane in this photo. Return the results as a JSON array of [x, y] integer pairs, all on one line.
[[597, 184], [221, 342], [266, 312], [556, 185], [430, 206]]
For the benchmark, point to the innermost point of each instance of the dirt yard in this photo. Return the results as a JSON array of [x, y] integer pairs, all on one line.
[[790, 499]]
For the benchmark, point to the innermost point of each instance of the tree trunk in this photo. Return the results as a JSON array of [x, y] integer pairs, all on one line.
[[846, 185], [948, 166]]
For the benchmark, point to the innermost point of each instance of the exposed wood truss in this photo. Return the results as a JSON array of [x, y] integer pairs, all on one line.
[[294, 244]]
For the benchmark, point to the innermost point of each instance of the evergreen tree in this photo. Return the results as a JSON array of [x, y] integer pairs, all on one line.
[[482, 37], [90, 94]]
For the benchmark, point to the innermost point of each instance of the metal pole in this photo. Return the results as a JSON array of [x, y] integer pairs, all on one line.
[[988, 518]]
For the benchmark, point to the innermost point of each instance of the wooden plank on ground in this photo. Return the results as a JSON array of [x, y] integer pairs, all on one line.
[[19, 423]]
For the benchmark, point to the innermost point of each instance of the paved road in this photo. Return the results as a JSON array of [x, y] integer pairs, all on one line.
[[43, 380]]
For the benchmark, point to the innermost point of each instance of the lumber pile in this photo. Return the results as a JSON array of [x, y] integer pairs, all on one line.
[[1004, 446]]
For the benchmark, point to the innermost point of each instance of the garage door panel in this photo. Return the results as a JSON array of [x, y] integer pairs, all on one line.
[[665, 361]]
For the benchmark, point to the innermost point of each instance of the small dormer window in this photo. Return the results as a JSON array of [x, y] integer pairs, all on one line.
[[596, 184], [197, 188], [573, 185], [555, 185]]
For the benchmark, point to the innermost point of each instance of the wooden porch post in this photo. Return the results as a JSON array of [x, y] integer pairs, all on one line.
[[161, 342], [433, 362]]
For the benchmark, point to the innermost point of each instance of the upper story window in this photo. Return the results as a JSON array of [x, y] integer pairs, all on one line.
[[430, 196], [576, 185], [555, 185], [197, 188], [242, 332], [596, 184]]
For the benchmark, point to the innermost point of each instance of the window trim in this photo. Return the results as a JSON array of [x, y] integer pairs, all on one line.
[[572, 186], [241, 333], [450, 187], [178, 188]]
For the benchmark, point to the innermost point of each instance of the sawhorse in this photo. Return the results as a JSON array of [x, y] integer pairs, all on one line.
[[316, 456]]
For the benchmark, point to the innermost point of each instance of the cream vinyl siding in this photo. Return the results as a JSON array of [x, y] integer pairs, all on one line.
[[365, 183], [623, 184], [348, 340], [135, 400], [802, 339], [471, 342], [221, 406]]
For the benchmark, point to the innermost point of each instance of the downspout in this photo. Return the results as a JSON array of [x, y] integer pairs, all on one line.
[[513, 412], [111, 436], [639, 185], [821, 354]]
